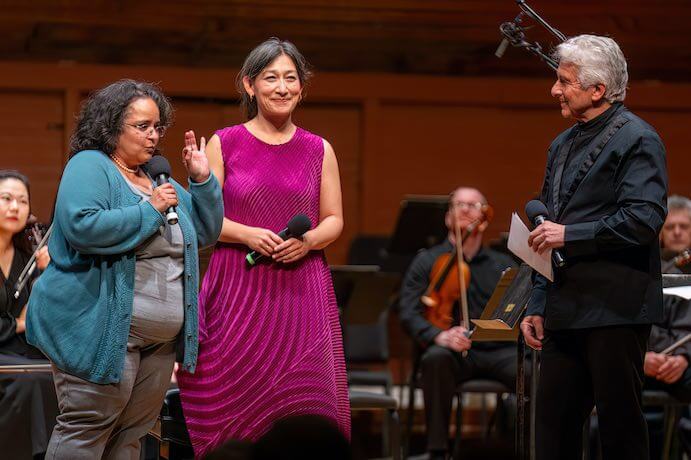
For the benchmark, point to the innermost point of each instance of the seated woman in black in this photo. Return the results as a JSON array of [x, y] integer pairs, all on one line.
[[28, 405]]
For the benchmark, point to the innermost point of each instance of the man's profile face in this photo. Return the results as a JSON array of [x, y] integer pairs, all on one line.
[[575, 101], [676, 232]]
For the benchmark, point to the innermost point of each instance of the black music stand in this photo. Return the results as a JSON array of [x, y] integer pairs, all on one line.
[[675, 280], [420, 224], [364, 294], [500, 321]]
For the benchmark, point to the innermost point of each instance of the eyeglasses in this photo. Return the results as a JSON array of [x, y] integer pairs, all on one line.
[[466, 206], [145, 129]]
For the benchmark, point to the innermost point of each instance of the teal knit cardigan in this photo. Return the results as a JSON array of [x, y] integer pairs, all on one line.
[[80, 308]]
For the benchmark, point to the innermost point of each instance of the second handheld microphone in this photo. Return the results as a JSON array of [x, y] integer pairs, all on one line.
[[297, 226], [537, 213]]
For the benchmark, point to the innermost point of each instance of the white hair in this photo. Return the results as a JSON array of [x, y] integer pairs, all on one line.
[[599, 60]]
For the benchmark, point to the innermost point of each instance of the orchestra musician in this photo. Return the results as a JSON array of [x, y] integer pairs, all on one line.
[[669, 371], [443, 364], [28, 405], [675, 237]]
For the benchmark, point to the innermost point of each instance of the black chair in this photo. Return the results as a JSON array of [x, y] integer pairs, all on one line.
[[672, 408], [364, 400], [482, 386], [364, 296], [170, 428], [671, 414]]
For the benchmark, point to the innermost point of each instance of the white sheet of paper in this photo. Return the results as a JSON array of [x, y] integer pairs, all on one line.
[[680, 291], [518, 244]]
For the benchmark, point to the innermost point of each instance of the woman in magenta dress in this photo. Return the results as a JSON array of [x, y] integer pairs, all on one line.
[[270, 339]]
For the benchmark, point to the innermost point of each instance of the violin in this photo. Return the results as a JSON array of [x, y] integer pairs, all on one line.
[[38, 235], [450, 276], [680, 260], [683, 258]]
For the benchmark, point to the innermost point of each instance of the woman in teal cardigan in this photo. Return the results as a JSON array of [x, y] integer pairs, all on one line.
[[119, 297]]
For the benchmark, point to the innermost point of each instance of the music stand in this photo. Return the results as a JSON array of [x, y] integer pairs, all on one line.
[[500, 321], [363, 291], [675, 280], [420, 224]]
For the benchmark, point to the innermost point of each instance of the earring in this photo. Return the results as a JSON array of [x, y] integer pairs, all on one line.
[[251, 97]]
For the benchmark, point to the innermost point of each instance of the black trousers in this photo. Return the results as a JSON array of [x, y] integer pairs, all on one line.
[[442, 371], [585, 367]]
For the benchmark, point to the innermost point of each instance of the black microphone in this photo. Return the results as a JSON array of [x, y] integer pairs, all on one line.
[[297, 226], [158, 168], [537, 213]]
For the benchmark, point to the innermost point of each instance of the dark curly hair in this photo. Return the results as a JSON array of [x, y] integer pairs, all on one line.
[[19, 240], [101, 118], [258, 59]]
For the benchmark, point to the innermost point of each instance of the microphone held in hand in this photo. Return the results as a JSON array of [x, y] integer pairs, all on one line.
[[537, 214], [158, 168], [297, 226]]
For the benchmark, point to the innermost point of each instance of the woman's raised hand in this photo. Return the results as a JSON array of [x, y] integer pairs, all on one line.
[[194, 158]]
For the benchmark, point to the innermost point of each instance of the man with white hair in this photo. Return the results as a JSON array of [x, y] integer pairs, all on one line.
[[605, 191]]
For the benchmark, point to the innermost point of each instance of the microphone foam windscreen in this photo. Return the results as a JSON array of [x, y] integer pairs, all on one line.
[[157, 165], [298, 225], [535, 208]]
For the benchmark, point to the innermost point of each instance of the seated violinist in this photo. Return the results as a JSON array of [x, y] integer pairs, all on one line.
[[675, 236], [28, 405], [443, 366]]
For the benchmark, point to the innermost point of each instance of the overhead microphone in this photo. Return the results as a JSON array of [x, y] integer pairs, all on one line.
[[158, 168], [501, 49], [297, 226], [537, 213]]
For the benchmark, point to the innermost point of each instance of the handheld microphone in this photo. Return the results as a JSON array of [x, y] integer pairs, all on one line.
[[537, 213], [297, 226], [158, 168]]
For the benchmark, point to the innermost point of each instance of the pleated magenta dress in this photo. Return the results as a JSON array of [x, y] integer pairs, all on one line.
[[270, 339]]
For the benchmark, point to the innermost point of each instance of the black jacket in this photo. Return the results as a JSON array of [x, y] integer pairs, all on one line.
[[613, 207]]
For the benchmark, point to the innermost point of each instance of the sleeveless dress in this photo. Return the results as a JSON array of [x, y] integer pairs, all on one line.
[[270, 339]]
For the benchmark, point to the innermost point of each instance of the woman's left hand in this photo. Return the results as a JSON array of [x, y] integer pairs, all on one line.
[[291, 250], [194, 158]]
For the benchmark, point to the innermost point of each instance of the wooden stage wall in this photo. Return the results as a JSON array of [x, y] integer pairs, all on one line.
[[393, 135]]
